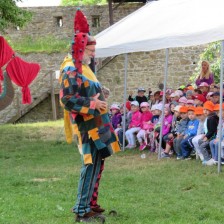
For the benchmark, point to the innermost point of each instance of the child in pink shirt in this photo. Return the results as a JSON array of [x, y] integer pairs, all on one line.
[[146, 117], [134, 125], [167, 121]]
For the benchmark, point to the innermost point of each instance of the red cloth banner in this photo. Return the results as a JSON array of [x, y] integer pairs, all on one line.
[[6, 54], [22, 74]]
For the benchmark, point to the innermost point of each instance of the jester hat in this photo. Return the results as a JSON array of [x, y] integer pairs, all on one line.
[[81, 40]]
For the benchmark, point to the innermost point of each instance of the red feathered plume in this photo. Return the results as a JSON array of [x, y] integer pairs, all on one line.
[[80, 23], [78, 50]]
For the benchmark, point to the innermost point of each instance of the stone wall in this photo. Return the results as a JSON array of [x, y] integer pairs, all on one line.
[[42, 112], [144, 68], [45, 20]]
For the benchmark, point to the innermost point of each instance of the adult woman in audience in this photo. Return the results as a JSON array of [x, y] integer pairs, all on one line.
[[206, 75]]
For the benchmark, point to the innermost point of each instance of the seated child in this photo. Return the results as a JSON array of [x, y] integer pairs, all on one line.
[[149, 134], [190, 103], [140, 97], [215, 97], [174, 97], [211, 124], [189, 94], [182, 101], [166, 124], [134, 125], [199, 100], [204, 87], [146, 117], [170, 137], [191, 131], [199, 112], [214, 144], [116, 116], [181, 128], [125, 122], [173, 104]]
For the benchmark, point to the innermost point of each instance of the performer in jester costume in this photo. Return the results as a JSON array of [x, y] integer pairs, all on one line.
[[82, 98]]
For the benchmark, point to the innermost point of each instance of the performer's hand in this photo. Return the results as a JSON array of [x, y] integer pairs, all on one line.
[[100, 105]]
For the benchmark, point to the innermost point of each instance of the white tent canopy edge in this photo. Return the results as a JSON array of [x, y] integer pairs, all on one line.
[[164, 24]]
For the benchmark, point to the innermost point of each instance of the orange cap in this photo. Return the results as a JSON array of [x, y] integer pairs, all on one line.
[[199, 110], [191, 108], [216, 107], [183, 109], [208, 105], [190, 88]]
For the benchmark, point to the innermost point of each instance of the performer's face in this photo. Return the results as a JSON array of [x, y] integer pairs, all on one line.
[[88, 54]]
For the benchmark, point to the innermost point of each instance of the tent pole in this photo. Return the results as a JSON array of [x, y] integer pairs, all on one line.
[[164, 95], [220, 108], [125, 97]]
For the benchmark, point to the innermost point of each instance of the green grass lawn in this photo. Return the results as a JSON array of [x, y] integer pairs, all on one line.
[[39, 175]]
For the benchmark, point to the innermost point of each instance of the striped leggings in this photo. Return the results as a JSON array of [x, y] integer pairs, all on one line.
[[88, 183]]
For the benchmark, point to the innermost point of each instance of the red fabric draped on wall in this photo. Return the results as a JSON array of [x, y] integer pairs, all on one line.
[[6, 54], [22, 74]]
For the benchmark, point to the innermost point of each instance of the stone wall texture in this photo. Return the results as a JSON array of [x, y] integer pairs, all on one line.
[[45, 20], [145, 69]]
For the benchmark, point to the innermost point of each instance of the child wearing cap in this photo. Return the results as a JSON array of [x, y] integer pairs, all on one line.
[[191, 131], [134, 125], [168, 93], [157, 99], [140, 96], [181, 128], [199, 100], [116, 116], [173, 133], [173, 104], [179, 93], [128, 116], [182, 101], [190, 103], [209, 96], [204, 87], [174, 97], [211, 123], [199, 112], [214, 144], [215, 97], [149, 135], [189, 94], [145, 125], [167, 121]]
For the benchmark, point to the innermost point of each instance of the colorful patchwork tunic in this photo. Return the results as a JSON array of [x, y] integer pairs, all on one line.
[[90, 125]]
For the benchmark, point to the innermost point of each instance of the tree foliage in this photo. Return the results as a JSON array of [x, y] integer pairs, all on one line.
[[11, 14], [83, 2], [212, 55]]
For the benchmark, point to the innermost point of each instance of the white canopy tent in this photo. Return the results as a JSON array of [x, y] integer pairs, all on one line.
[[165, 24]]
